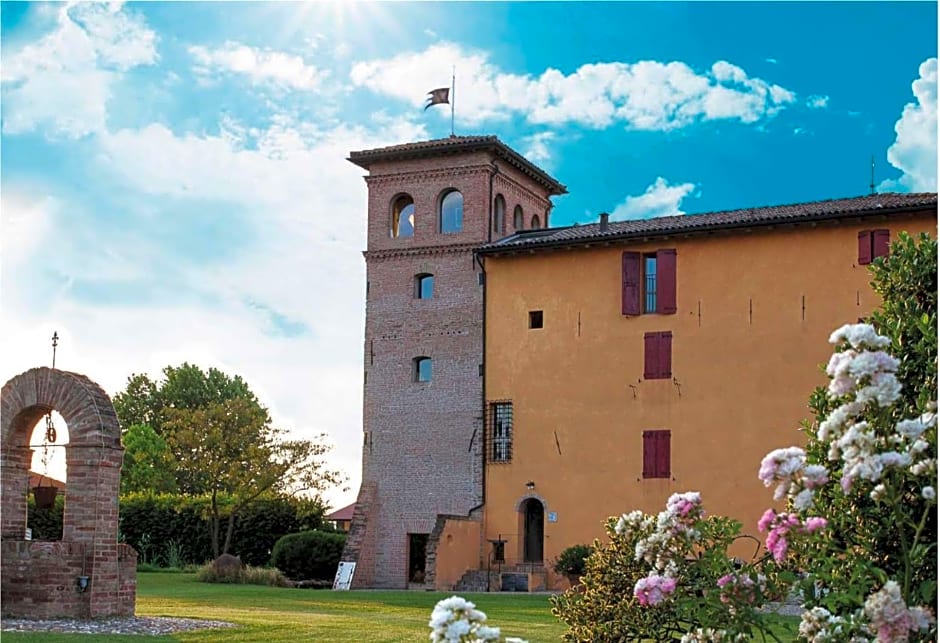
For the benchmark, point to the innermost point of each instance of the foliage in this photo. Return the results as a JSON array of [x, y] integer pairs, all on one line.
[[45, 523], [309, 554], [166, 528], [571, 560], [148, 462], [231, 450], [906, 279], [221, 444], [661, 577], [187, 386], [208, 573]]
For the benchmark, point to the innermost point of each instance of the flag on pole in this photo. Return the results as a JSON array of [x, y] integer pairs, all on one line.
[[438, 96]]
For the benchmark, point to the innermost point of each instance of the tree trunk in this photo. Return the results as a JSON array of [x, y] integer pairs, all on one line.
[[214, 524], [228, 532]]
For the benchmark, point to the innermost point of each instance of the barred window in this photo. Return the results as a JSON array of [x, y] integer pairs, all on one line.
[[500, 432]]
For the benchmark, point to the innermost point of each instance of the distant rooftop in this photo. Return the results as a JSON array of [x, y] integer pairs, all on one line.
[[346, 513], [886, 203], [455, 145]]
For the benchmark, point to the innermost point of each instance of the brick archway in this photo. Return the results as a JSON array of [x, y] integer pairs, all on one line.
[[40, 579]]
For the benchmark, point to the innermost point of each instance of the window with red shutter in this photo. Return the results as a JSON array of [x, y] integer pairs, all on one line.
[[650, 356], [880, 242], [649, 451], [666, 281], [631, 283], [657, 355], [665, 354], [656, 454], [662, 455], [864, 247]]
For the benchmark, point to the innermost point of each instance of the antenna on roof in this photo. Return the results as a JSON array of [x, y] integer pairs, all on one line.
[[872, 185]]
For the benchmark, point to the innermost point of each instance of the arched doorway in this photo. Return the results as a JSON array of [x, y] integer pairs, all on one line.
[[533, 530]]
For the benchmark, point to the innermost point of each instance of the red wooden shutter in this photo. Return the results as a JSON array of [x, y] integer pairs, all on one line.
[[666, 281], [649, 450], [650, 355], [864, 247], [881, 240], [631, 283], [665, 354], [662, 455]]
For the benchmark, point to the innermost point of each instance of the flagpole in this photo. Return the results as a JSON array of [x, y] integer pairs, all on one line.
[[453, 97]]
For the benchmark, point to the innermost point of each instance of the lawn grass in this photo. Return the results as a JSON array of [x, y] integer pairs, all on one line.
[[274, 615]]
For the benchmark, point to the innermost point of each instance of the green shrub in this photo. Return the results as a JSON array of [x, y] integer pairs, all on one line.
[[208, 573], [571, 560], [45, 523], [173, 530], [308, 555]]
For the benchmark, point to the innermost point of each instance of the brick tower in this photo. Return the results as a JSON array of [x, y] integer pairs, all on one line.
[[430, 205]]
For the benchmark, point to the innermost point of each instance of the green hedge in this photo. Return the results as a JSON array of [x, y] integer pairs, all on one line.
[[167, 529], [309, 555], [155, 524], [45, 523]]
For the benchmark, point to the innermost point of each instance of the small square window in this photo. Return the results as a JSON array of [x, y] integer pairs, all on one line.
[[424, 286], [535, 319], [422, 369]]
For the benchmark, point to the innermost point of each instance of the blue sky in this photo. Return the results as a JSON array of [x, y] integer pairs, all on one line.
[[173, 175]]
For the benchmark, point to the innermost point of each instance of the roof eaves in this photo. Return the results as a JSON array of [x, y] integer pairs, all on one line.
[[594, 238]]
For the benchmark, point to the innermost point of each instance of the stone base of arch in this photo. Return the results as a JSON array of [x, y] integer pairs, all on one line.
[[41, 579]]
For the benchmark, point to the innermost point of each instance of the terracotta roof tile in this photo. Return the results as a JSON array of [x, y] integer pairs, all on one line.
[[346, 513], [728, 219]]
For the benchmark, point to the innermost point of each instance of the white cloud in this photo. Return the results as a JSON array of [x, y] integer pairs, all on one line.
[[914, 151], [772, 61], [308, 230], [817, 102], [63, 81], [646, 95], [260, 66], [536, 147], [659, 200]]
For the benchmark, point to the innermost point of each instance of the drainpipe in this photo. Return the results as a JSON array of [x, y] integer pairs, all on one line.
[[489, 221]]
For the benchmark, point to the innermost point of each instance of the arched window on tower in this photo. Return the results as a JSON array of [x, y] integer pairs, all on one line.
[[499, 214], [535, 222], [452, 212], [403, 217], [517, 221]]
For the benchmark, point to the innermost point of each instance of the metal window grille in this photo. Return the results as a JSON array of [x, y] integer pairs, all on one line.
[[650, 286], [500, 448]]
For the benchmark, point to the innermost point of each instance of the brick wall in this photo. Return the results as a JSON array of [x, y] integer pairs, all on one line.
[[40, 579], [423, 441]]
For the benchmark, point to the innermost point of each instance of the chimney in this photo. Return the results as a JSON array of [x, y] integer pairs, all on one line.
[[604, 217]]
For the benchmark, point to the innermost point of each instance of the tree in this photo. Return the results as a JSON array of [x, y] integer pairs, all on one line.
[[187, 386], [149, 465], [230, 449]]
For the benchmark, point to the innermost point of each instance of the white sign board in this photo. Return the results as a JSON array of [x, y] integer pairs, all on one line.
[[344, 575]]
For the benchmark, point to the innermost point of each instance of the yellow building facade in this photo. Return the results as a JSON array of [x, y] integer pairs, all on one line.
[[628, 361]]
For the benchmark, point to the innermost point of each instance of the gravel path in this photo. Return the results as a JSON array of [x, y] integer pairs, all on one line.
[[153, 625]]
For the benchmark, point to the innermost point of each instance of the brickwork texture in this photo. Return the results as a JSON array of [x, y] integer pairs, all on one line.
[[41, 579]]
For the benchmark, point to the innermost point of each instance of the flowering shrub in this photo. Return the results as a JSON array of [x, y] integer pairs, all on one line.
[[866, 580], [664, 577], [456, 620], [869, 469]]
